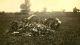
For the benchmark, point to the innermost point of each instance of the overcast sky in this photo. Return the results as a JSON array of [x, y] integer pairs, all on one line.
[[38, 5]]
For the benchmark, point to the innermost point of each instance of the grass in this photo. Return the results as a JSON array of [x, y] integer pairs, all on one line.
[[67, 34]]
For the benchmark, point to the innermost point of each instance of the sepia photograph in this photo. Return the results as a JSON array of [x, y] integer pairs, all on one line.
[[39, 22]]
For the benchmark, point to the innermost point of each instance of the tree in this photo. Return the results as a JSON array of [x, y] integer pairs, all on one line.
[[25, 7], [75, 10]]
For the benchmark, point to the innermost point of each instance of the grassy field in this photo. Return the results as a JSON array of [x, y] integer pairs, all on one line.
[[67, 34]]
